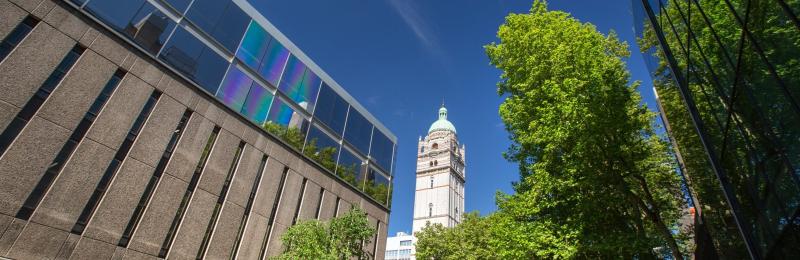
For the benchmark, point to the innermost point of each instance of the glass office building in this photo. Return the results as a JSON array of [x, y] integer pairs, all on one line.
[[727, 78], [232, 52]]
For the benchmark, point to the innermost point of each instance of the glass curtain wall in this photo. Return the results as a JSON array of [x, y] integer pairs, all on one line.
[[727, 74], [218, 46]]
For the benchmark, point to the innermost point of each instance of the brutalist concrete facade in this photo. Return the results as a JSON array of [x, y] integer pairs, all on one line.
[[249, 186]]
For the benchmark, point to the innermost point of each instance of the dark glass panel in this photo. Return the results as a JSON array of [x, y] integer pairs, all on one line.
[[358, 131], [377, 185], [223, 20], [190, 56], [350, 168], [283, 114], [381, 150], [179, 5], [331, 109], [317, 141]]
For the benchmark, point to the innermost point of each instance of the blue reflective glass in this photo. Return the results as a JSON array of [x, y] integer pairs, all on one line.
[[138, 20], [194, 59], [358, 131], [350, 168], [300, 84], [331, 109], [273, 62], [319, 140], [179, 5], [381, 150], [223, 20], [283, 114], [234, 88], [257, 104], [253, 46]]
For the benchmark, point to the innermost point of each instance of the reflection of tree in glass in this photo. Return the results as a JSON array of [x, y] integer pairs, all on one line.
[[750, 119], [326, 156]]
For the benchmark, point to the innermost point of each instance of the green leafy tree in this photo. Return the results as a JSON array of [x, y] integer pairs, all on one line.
[[596, 182], [468, 240], [338, 238]]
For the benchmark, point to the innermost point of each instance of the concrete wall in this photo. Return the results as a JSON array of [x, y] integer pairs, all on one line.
[[46, 233]]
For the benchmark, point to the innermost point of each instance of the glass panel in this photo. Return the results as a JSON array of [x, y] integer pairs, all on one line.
[[138, 20], [179, 5], [381, 150], [322, 148], [377, 185], [254, 45], [193, 58], [257, 104], [358, 131], [233, 90], [273, 63], [331, 109], [349, 168], [300, 84], [223, 20], [283, 114]]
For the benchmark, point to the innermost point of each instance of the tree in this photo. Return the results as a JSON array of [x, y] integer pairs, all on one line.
[[596, 181], [468, 240], [338, 238]]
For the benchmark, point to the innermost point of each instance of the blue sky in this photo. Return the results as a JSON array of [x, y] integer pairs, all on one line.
[[400, 58]]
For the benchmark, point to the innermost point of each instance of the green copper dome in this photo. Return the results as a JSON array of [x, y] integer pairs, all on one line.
[[442, 124]]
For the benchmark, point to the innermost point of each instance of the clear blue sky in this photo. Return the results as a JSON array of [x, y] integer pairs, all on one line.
[[400, 58]]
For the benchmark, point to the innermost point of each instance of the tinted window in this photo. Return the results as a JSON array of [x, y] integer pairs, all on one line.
[[253, 46], [350, 168], [179, 5], [190, 56], [283, 114], [234, 88], [331, 109], [381, 150], [319, 140], [300, 84], [273, 63], [223, 20], [376, 185], [138, 20], [358, 131], [257, 104]]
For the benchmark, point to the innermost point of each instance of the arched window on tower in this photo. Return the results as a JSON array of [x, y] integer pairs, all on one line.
[[431, 163], [435, 162], [431, 181], [422, 149], [430, 209], [435, 146]]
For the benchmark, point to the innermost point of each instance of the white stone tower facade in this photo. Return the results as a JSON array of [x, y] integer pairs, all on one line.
[[439, 196]]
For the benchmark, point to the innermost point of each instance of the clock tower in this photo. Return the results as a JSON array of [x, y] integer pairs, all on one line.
[[439, 196]]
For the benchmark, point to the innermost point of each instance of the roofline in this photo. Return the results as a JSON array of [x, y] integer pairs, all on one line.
[[261, 20]]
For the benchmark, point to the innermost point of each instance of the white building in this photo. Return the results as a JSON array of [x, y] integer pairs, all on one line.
[[400, 247], [439, 196]]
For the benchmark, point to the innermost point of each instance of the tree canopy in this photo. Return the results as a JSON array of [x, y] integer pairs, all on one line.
[[339, 238], [595, 179]]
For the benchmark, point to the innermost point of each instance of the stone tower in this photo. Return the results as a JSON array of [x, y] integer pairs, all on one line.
[[439, 197]]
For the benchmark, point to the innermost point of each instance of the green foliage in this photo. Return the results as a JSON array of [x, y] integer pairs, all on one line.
[[596, 182], [326, 156], [468, 240], [762, 123], [338, 238]]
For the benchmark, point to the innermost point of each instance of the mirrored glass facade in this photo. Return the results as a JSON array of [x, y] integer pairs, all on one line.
[[233, 53], [727, 76]]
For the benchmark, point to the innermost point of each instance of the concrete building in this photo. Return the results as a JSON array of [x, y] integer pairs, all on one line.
[[400, 247], [439, 196], [136, 130]]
